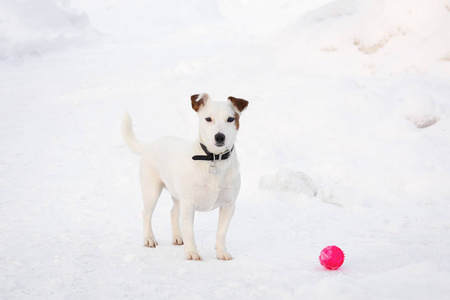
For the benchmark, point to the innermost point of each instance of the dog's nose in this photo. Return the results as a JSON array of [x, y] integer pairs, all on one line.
[[220, 138]]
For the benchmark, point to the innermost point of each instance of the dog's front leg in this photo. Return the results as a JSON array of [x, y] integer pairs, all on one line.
[[187, 224], [225, 215]]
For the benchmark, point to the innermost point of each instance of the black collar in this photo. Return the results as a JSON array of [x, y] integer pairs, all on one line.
[[210, 156]]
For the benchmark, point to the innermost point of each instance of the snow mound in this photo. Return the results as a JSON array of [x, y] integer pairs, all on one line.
[[421, 110], [379, 36], [286, 180], [30, 28]]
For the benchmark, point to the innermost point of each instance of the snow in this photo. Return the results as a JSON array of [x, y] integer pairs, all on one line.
[[345, 142]]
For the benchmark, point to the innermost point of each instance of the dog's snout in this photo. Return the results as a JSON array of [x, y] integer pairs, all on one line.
[[220, 138]]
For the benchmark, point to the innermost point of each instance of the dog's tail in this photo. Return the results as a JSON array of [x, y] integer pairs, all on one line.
[[128, 135]]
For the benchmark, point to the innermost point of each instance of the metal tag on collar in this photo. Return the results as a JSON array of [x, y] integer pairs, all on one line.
[[212, 166]]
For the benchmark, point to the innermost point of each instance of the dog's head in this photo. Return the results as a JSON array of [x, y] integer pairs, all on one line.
[[218, 121]]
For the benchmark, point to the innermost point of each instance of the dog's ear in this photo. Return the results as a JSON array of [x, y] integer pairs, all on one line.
[[239, 104], [198, 101]]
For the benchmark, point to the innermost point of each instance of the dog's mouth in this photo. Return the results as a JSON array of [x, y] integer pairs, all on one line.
[[220, 144]]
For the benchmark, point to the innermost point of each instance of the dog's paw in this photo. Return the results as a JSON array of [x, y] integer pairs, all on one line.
[[177, 240], [223, 255], [193, 255], [150, 242]]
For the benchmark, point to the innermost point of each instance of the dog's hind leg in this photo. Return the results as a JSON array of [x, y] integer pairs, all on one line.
[[151, 190], [176, 231]]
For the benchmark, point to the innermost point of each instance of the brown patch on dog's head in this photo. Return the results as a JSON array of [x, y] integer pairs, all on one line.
[[196, 104], [197, 101], [236, 120], [240, 104]]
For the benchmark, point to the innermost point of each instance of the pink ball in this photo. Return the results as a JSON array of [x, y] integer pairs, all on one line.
[[331, 257]]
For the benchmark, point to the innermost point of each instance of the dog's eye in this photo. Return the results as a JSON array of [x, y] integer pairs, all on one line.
[[230, 119], [208, 119]]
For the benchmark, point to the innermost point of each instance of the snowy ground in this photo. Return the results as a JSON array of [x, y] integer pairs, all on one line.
[[355, 94]]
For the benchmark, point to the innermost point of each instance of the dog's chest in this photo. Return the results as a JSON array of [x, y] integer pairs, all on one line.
[[214, 192]]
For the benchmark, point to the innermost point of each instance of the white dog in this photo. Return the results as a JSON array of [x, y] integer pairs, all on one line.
[[201, 175]]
